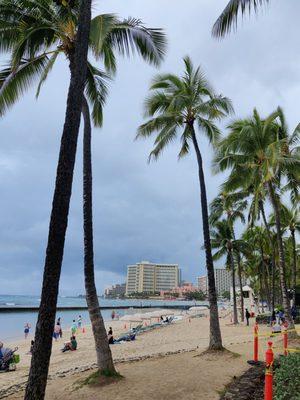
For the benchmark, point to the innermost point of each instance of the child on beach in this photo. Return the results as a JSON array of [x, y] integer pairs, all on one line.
[[74, 328], [27, 327]]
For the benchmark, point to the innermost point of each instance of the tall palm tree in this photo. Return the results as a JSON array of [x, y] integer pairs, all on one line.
[[108, 35], [222, 239], [232, 205], [182, 103], [37, 380], [257, 150], [291, 221], [229, 15]]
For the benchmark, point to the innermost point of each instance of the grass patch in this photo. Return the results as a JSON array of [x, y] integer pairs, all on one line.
[[99, 378]]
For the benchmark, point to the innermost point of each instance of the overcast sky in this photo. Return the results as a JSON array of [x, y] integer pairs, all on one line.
[[141, 212]]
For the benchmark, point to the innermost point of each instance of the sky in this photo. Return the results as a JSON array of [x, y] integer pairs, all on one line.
[[141, 211]]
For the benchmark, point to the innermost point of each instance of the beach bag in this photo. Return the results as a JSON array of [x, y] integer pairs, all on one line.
[[16, 359]]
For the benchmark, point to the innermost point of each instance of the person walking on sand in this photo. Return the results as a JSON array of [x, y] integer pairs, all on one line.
[[247, 316], [27, 327], [79, 322]]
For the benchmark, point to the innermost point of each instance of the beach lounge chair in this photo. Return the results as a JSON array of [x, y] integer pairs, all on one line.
[[125, 338], [9, 360]]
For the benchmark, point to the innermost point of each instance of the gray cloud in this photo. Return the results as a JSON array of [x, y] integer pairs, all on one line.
[[141, 211]]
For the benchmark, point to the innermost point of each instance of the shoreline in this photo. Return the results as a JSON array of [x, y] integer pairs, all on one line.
[[85, 308]]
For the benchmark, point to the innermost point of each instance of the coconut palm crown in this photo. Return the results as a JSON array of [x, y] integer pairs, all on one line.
[[36, 32]]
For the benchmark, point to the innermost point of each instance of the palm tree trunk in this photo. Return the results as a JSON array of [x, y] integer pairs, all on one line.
[[294, 266], [240, 279], [37, 381], [215, 339], [272, 245], [104, 357], [235, 314], [282, 272]]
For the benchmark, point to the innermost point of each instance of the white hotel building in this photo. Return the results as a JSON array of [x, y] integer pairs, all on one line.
[[223, 279], [151, 277]]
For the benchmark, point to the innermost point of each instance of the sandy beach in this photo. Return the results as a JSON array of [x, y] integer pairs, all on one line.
[[158, 358]]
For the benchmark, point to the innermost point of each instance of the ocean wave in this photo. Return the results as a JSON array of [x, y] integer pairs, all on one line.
[[10, 304]]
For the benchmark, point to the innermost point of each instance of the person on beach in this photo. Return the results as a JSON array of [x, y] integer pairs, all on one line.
[[1, 351], [110, 336], [27, 327], [59, 324], [74, 327], [79, 322], [56, 332], [71, 345], [294, 312], [281, 316], [247, 314], [31, 348], [113, 314]]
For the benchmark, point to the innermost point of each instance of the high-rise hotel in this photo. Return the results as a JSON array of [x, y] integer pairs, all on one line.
[[151, 277]]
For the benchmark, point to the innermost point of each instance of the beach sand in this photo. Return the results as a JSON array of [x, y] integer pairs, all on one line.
[[165, 363]]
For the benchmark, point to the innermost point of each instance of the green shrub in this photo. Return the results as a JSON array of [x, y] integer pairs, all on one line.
[[287, 378]]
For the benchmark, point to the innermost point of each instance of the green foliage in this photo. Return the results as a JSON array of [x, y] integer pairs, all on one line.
[[199, 295], [226, 295], [287, 378]]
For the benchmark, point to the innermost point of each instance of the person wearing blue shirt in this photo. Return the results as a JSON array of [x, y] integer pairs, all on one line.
[[1, 353]]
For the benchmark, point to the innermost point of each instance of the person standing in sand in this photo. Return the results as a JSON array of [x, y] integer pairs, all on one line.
[[27, 327], [79, 322], [247, 316]]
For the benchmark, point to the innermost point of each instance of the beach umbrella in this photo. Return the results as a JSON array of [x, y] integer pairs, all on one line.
[[196, 309], [130, 318], [143, 316]]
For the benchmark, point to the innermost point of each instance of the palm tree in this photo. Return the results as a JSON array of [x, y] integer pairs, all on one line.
[[258, 197], [229, 15], [37, 380], [232, 206], [258, 150], [182, 102], [107, 35], [222, 239], [291, 221], [257, 239]]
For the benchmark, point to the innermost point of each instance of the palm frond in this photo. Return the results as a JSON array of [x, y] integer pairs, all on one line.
[[14, 82], [96, 92], [228, 18]]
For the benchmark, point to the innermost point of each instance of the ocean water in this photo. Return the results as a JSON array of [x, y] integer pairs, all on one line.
[[12, 323]]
